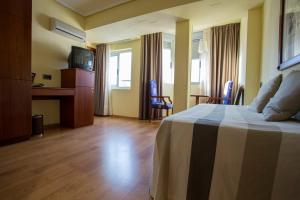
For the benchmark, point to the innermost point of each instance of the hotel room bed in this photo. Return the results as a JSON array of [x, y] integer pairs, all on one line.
[[222, 152]]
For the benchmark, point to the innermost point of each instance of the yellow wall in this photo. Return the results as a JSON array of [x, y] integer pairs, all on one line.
[[182, 65], [50, 51], [253, 59], [125, 102], [130, 9], [270, 41]]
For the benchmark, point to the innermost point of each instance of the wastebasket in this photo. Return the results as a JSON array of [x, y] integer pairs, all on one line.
[[37, 125]]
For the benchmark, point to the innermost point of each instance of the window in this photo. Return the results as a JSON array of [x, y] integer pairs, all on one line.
[[168, 72], [195, 71], [196, 61], [120, 64]]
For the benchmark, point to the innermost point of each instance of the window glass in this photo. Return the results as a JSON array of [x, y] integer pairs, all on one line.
[[120, 64], [125, 69], [167, 66], [196, 58], [113, 65], [195, 71]]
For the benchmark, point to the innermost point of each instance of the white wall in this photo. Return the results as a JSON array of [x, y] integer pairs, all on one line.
[[125, 102]]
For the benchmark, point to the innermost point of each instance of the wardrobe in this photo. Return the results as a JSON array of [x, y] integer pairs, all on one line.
[[15, 70]]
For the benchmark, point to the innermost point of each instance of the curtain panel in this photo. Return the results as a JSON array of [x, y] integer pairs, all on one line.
[[204, 51], [224, 56], [151, 69], [102, 83]]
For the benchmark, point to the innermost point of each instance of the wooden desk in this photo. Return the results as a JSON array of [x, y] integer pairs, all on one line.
[[198, 97], [44, 93], [76, 97]]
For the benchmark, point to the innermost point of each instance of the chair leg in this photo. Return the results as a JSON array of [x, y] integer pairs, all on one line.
[[167, 112], [153, 114], [150, 115], [172, 111]]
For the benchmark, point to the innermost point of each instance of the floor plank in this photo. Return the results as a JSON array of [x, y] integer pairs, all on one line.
[[110, 160]]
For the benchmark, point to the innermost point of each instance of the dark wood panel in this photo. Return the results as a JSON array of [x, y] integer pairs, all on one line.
[[80, 110], [89, 106], [67, 112], [85, 78], [15, 110], [84, 106], [20, 8], [72, 78], [68, 78], [15, 70], [15, 48], [56, 92]]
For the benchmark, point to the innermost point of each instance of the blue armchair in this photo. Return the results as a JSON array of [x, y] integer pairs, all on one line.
[[227, 93], [158, 102]]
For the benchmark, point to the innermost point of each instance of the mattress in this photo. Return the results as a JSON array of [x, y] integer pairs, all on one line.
[[220, 152]]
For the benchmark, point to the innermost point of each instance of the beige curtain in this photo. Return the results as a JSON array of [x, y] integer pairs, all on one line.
[[151, 69], [224, 58], [102, 85], [204, 50]]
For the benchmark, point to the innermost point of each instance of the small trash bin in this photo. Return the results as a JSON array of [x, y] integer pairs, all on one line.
[[37, 125]]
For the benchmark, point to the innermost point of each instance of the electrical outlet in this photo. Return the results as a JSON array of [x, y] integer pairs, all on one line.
[[47, 77]]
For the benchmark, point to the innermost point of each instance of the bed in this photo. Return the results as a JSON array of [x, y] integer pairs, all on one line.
[[220, 152]]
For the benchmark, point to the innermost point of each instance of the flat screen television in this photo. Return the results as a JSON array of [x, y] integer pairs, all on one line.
[[81, 58]]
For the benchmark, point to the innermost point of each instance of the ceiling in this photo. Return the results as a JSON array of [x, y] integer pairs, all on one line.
[[89, 7], [202, 14], [133, 28], [208, 13]]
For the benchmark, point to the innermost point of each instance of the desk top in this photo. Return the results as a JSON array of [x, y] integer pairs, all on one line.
[[52, 92]]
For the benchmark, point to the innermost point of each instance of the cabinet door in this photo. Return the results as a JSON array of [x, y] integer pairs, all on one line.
[[80, 110], [84, 78], [84, 106], [15, 110], [19, 8], [15, 48], [89, 106]]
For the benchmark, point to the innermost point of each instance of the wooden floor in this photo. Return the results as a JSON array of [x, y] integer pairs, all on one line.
[[111, 160]]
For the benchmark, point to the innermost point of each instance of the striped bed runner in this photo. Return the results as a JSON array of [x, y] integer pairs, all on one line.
[[217, 152]]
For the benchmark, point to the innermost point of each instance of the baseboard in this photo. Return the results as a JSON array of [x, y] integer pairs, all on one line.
[[124, 117], [14, 140], [51, 126]]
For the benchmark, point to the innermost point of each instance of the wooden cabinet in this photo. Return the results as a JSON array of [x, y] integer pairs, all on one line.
[[85, 106], [15, 110], [15, 71], [73, 78], [79, 111], [15, 48]]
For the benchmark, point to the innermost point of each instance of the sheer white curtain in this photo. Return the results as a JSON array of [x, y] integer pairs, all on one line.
[[108, 97], [204, 50]]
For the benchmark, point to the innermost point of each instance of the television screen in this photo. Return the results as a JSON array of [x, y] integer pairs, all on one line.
[[81, 58]]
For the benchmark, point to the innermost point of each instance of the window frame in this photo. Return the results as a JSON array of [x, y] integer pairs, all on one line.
[[117, 53], [196, 39]]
